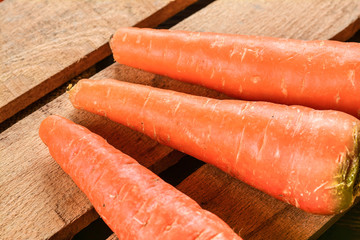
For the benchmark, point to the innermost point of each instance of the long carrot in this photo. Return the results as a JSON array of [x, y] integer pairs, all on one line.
[[132, 200], [305, 157], [318, 74]]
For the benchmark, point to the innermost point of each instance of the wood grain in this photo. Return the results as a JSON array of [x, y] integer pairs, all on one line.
[[39, 201], [298, 19], [46, 43], [249, 212]]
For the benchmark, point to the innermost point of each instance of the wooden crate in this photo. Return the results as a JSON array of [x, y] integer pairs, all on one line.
[[45, 44]]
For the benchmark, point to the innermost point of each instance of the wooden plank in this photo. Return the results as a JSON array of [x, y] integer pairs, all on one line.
[[46, 43], [307, 20], [112, 237], [347, 227], [251, 213]]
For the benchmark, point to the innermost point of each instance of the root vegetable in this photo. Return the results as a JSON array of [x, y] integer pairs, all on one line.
[[133, 201]]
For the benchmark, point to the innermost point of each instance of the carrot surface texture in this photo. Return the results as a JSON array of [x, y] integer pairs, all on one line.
[[317, 74], [133, 201], [308, 158]]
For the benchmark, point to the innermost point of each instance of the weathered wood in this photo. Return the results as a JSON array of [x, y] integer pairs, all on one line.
[[251, 213], [46, 43], [307, 20], [112, 237], [347, 227], [264, 216]]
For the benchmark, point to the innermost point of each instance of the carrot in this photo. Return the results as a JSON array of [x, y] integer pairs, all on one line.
[[133, 201], [318, 74], [308, 158]]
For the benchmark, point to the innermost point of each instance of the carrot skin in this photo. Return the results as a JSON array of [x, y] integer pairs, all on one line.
[[318, 74], [306, 157], [133, 201]]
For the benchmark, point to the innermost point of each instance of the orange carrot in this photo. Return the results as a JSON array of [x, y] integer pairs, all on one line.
[[133, 201], [318, 74], [305, 157]]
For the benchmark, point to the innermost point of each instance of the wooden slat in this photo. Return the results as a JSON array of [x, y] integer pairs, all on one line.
[[298, 19], [251, 213], [37, 198], [112, 237], [45, 43], [347, 227]]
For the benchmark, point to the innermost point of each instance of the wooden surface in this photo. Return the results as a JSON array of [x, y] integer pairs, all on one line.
[[251, 213], [39, 201], [45, 43], [299, 19]]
